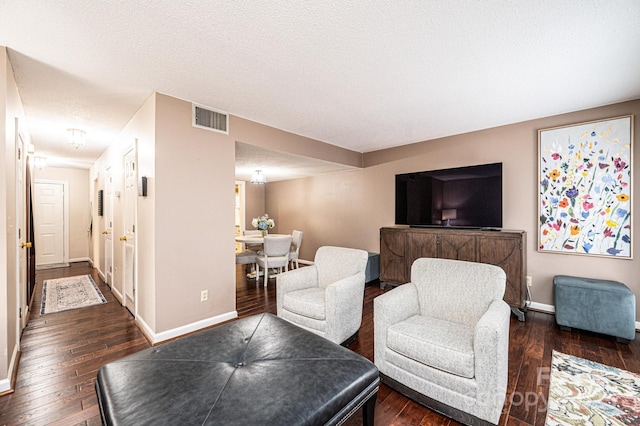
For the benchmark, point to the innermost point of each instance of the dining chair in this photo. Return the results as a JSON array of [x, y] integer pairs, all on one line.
[[294, 253], [275, 254], [256, 233], [247, 257]]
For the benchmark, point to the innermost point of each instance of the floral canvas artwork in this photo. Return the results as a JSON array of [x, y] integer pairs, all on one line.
[[585, 188]]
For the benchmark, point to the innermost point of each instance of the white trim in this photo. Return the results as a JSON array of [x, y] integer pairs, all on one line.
[[117, 294], [550, 309], [243, 216], [5, 384], [185, 329], [146, 330], [81, 259]]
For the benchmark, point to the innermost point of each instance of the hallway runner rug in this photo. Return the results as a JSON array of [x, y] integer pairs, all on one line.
[[587, 393], [63, 294]]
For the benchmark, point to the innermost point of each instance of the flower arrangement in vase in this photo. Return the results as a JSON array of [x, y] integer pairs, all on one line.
[[263, 223]]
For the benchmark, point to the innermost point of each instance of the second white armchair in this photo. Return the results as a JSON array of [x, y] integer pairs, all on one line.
[[325, 298]]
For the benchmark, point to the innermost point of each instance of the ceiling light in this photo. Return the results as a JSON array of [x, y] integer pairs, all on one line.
[[40, 162], [76, 137], [258, 178]]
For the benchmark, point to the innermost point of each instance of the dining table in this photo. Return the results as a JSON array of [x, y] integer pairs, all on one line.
[[254, 240]]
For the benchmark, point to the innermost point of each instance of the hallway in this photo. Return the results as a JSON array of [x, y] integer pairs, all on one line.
[[61, 355]]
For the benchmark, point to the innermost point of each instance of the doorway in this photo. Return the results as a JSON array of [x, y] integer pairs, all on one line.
[[51, 210], [239, 212], [129, 237], [108, 227]]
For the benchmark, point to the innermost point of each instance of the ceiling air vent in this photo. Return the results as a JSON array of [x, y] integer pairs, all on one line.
[[206, 118]]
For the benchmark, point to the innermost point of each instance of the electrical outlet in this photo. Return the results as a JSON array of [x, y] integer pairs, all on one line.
[[529, 281], [204, 295]]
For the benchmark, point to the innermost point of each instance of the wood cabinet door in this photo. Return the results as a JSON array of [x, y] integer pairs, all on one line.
[[507, 254], [457, 247], [392, 256], [420, 244]]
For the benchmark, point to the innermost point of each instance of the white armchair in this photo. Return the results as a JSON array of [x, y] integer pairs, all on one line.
[[443, 339], [325, 298]]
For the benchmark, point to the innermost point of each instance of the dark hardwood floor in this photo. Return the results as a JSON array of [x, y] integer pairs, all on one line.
[[62, 352]]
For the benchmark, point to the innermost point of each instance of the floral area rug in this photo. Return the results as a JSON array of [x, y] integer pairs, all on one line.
[[587, 393], [63, 294]]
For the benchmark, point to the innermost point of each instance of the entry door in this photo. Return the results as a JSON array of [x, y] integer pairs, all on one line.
[[108, 227], [49, 223], [129, 237]]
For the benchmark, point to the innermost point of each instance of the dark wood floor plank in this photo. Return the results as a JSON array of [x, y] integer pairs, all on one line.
[[62, 352]]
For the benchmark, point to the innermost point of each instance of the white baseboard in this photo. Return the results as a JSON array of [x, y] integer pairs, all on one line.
[[185, 329], [550, 309], [5, 384], [119, 297], [80, 259]]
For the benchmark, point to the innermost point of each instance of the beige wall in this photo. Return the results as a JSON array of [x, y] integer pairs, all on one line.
[[79, 207], [194, 218], [349, 208], [254, 203], [247, 131], [185, 224]]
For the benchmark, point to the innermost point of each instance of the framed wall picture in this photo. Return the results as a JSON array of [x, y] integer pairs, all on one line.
[[584, 188]]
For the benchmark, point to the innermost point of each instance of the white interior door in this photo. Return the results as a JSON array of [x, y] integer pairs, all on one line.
[[48, 216], [108, 227], [129, 237]]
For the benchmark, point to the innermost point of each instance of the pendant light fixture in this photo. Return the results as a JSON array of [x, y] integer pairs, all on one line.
[[258, 178], [76, 138]]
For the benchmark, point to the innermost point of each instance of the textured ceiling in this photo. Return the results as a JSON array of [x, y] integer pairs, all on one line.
[[363, 75], [276, 165]]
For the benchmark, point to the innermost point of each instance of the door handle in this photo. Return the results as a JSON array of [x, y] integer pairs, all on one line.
[[27, 245], [105, 232], [123, 238]]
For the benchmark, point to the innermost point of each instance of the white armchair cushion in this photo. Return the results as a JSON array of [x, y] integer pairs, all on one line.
[[336, 263], [460, 291], [437, 343], [309, 302]]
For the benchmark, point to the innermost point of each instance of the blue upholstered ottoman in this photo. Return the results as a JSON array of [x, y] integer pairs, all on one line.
[[601, 306], [372, 272]]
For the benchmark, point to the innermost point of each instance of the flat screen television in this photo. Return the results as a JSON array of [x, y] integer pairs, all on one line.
[[469, 197]]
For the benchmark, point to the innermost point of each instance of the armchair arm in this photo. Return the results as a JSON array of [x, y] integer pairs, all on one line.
[[491, 346], [295, 279], [388, 309], [343, 302]]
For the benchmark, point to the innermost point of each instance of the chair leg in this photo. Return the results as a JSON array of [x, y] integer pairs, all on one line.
[[257, 273], [266, 274]]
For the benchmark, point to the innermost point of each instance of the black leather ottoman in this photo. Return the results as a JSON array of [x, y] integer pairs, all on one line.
[[259, 370]]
